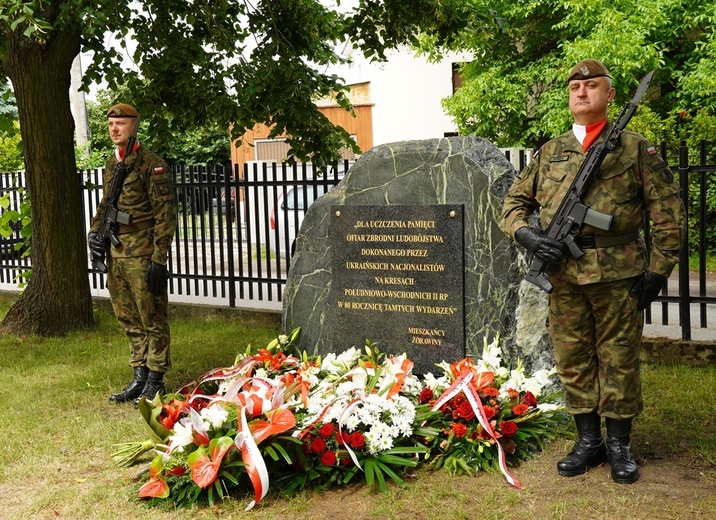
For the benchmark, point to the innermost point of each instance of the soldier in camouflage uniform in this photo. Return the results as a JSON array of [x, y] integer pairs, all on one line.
[[137, 276], [595, 308]]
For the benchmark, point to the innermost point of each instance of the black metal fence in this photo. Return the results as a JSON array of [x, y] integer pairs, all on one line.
[[236, 233]]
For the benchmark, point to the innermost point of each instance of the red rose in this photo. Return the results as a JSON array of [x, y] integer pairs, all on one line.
[[459, 429], [307, 445], [329, 458], [466, 411], [346, 461], [326, 430], [508, 428], [426, 395], [357, 440], [318, 445], [489, 412], [343, 438], [520, 409], [529, 399]]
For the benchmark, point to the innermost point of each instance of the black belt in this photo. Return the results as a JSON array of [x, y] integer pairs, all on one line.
[[138, 226], [595, 241]]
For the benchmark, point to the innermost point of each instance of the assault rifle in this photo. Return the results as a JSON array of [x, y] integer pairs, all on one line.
[[112, 216], [572, 213]]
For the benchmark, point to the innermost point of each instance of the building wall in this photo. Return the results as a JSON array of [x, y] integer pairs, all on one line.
[[407, 92]]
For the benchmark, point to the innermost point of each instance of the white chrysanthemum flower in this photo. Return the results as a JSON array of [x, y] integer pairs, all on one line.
[[182, 436], [283, 339], [351, 422], [214, 416], [260, 372]]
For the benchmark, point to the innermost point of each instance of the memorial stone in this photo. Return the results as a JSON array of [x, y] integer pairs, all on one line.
[[465, 172]]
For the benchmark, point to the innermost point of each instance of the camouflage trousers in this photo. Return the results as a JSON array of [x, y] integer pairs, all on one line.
[[596, 330], [142, 314]]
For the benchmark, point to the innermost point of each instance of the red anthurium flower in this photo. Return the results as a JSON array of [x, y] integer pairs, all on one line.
[[280, 420], [172, 411], [155, 487], [205, 468]]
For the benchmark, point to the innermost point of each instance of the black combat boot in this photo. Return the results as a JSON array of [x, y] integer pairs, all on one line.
[[589, 451], [154, 384], [134, 388], [624, 468]]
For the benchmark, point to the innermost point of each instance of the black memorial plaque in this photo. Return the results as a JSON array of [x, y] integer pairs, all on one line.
[[398, 280]]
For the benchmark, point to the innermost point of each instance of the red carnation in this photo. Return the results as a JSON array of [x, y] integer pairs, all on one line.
[[489, 412], [508, 428], [329, 458], [459, 429], [520, 409], [357, 440], [326, 430], [491, 391], [318, 445], [512, 393], [426, 395], [529, 399]]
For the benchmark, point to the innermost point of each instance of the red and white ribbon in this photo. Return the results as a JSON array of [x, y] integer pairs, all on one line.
[[462, 384]]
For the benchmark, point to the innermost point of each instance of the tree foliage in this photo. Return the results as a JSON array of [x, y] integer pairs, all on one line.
[[201, 145], [514, 91], [213, 63]]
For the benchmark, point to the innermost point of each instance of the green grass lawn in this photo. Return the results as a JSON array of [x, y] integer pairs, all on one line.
[[58, 430]]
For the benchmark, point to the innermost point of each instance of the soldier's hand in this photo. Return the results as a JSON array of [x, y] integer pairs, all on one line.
[[98, 247], [156, 277], [647, 287], [544, 248]]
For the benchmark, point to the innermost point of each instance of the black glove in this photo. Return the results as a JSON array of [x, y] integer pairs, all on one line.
[[647, 287], [98, 247], [156, 277], [544, 248]]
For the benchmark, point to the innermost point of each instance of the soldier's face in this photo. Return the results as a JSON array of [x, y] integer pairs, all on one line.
[[120, 129], [589, 99]]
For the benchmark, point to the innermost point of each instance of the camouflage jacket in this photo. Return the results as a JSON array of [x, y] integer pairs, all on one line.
[[148, 196], [633, 181]]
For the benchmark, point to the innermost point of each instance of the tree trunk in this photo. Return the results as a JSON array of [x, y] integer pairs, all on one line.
[[57, 298]]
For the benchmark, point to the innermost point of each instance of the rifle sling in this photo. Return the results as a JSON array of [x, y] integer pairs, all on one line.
[[595, 241], [137, 226]]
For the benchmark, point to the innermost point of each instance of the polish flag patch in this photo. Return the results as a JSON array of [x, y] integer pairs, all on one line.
[[158, 170], [651, 150]]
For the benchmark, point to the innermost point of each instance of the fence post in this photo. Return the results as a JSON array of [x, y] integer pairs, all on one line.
[[684, 285]]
